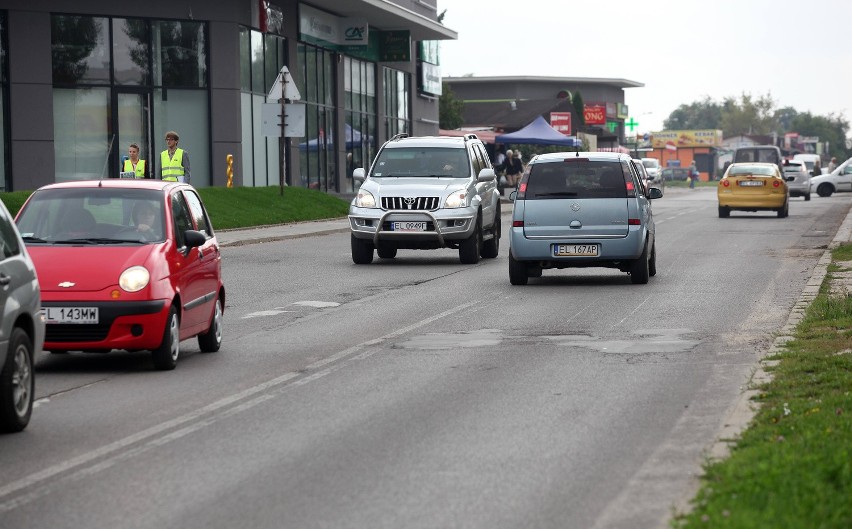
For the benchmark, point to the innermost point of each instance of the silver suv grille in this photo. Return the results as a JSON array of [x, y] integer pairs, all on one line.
[[412, 203]]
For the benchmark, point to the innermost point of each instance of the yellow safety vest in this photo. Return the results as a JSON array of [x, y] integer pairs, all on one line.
[[172, 167], [139, 170]]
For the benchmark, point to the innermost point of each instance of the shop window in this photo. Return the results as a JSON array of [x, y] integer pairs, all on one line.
[[180, 58], [397, 91], [131, 51], [80, 50]]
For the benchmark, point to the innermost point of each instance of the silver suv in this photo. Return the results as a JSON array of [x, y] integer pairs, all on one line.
[[426, 193], [21, 328]]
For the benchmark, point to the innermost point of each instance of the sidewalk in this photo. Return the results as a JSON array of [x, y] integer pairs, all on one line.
[[295, 230]]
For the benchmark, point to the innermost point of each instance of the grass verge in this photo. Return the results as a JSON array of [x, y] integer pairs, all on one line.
[[792, 467], [243, 207]]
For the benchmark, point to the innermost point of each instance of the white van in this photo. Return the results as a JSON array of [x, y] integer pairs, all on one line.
[[809, 160]]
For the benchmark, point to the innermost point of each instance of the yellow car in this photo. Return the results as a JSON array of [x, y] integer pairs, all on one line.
[[753, 186]]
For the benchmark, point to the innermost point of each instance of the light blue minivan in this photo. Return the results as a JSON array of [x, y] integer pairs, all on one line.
[[583, 209]]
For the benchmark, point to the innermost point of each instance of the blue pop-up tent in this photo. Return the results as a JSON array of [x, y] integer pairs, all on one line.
[[539, 132], [353, 138]]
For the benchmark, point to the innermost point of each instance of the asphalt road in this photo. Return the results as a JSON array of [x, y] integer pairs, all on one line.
[[419, 392]]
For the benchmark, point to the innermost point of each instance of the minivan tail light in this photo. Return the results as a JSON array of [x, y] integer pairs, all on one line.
[[634, 222], [517, 224]]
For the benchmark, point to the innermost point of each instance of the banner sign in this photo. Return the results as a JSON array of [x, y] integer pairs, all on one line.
[[561, 121], [430, 79], [687, 138], [622, 113], [594, 114], [324, 28]]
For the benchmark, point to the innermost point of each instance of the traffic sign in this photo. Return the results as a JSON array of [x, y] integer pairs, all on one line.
[[290, 91]]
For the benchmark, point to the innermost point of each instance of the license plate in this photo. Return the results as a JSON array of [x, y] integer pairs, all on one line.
[[575, 250], [409, 226], [751, 183], [81, 315]]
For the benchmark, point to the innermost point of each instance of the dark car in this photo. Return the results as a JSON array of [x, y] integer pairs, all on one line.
[[675, 173]]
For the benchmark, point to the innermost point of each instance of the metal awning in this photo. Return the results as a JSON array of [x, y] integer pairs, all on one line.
[[386, 15]]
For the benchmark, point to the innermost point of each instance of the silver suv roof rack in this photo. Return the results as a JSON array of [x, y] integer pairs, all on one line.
[[471, 136], [399, 136]]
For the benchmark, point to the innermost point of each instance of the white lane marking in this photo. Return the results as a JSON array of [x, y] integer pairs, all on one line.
[[101, 458], [317, 304], [259, 313]]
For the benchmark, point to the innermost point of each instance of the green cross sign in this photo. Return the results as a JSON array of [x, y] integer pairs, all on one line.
[[632, 124]]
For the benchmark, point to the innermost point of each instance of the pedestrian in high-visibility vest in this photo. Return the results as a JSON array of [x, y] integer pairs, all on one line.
[[174, 162], [133, 164]]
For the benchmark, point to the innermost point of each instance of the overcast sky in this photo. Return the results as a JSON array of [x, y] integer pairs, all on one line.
[[799, 52]]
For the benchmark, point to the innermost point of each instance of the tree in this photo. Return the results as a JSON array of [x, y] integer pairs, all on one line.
[[704, 114], [579, 107], [748, 115], [450, 109], [831, 129]]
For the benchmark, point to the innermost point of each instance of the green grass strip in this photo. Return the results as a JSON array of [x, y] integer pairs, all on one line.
[[792, 467]]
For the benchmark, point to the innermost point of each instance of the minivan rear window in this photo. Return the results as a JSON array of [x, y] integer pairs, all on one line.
[[576, 179]]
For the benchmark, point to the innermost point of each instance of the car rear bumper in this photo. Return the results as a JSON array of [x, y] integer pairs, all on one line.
[[799, 190], [128, 325], [442, 225], [612, 250], [752, 202]]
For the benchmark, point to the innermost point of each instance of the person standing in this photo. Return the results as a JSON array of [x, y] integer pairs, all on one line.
[[817, 170], [693, 174], [174, 162], [134, 164], [514, 169], [832, 165]]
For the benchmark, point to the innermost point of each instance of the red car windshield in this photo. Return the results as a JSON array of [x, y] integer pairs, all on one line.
[[93, 215]]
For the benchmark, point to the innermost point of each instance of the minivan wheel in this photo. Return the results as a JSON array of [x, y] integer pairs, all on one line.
[[639, 270], [652, 263], [362, 251], [17, 383], [807, 196], [825, 190], [165, 356], [517, 271]]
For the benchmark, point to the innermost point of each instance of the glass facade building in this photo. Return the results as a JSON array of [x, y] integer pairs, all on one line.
[[129, 73]]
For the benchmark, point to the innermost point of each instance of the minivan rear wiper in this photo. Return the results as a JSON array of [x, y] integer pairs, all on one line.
[[556, 194]]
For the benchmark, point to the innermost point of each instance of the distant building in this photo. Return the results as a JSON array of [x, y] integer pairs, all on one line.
[[511, 102]]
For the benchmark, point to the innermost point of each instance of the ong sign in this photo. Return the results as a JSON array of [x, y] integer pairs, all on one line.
[[595, 114], [561, 121]]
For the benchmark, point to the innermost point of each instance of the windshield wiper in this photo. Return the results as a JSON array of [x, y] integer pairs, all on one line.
[[556, 194], [30, 238], [94, 240]]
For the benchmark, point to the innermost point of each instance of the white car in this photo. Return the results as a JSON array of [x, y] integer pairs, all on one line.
[[838, 180]]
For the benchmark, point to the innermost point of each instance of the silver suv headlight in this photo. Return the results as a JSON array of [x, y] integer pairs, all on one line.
[[365, 199], [457, 199]]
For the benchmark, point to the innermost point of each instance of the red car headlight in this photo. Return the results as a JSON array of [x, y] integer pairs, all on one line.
[[134, 279]]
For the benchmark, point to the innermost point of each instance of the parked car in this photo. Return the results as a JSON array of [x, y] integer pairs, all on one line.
[[125, 264], [427, 193], [644, 178], [753, 187], [838, 180], [21, 328], [576, 210], [654, 169], [675, 174], [798, 178]]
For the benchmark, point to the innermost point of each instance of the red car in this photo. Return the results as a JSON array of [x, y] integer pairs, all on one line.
[[125, 264]]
